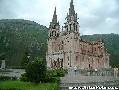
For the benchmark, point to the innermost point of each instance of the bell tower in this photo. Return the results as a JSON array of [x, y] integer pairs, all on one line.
[[54, 27], [72, 24]]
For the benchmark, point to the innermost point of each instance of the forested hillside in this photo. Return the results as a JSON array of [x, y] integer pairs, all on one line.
[[19, 38], [111, 43]]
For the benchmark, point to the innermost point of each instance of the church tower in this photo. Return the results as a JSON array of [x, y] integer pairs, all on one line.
[[54, 28], [71, 38], [53, 33], [72, 24], [53, 36]]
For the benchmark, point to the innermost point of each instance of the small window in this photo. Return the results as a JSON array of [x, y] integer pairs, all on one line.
[[74, 26], [70, 27], [62, 42], [89, 65], [50, 34], [67, 28], [68, 58], [76, 58]]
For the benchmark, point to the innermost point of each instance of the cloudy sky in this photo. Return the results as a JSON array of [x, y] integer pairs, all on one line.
[[95, 16]]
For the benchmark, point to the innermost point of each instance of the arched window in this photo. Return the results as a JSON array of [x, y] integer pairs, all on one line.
[[66, 28], [70, 26], [68, 58], [89, 66], [74, 26], [61, 63], [76, 58], [52, 33], [55, 33], [62, 42]]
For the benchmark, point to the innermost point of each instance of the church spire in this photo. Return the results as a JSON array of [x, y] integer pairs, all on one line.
[[54, 20], [71, 9], [54, 27], [72, 24]]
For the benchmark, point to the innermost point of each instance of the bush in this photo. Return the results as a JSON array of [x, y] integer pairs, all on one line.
[[35, 71], [50, 76], [54, 75], [13, 78], [24, 77], [4, 78], [61, 72]]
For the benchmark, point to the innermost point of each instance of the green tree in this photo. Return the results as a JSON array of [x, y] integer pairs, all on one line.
[[25, 60], [36, 70]]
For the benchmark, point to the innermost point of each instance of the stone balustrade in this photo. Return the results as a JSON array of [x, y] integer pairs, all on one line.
[[102, 77]]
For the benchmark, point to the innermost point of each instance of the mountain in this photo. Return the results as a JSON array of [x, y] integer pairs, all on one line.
[[18, 37], [111, 43]]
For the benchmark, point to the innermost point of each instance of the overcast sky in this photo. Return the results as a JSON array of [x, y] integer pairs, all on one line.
[[95, 16]]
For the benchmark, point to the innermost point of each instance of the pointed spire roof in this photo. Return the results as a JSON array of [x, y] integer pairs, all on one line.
[[71, 9], [54, 20]]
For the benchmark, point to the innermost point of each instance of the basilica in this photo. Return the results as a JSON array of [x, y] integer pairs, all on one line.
[[67, 50]]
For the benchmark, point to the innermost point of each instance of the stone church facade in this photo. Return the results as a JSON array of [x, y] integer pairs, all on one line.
[[67, 50]]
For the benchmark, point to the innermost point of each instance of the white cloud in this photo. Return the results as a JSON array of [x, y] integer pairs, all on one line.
[[96, 16]]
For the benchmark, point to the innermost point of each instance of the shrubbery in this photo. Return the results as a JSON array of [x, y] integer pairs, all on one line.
[[50, 76], [36, 72], [24, 77], [54, 75], [4, 78]]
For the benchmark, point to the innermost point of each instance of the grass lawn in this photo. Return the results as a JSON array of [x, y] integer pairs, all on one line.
[[19, 85]]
